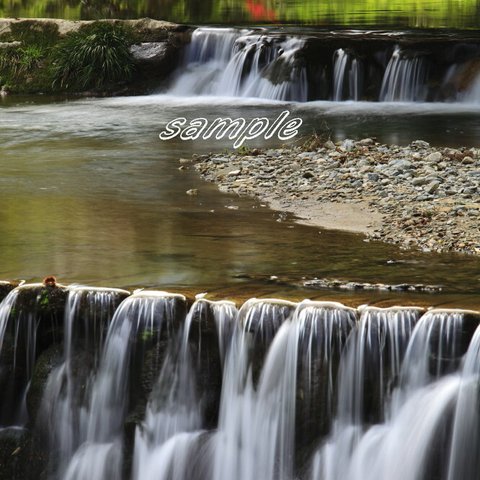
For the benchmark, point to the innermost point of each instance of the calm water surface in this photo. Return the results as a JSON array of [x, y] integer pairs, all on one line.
[[456, 14], [89, 193]]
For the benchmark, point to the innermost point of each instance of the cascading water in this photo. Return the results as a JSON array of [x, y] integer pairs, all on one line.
[[404, 79], [371, 362], [276, 390], [168, 438], [270, 64], [26, 324], [87, 315], [255, 425], [346, 76], [410, 442], [465, 436], [240, 63], [140, 325]]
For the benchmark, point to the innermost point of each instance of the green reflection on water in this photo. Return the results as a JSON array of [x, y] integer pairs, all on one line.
[[393, 13], [89, 193]]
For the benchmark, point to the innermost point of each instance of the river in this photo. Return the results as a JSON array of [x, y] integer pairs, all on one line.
[[91, 195]]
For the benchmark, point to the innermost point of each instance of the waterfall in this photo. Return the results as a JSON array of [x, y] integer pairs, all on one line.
[[140, 324], [409, 443], [87, 316], [241, 63], [346, 76], [169, 435], [272, 64], [465, 437], [26, 320], [138, 387], [404, 79], [472, 95], [255, 428]]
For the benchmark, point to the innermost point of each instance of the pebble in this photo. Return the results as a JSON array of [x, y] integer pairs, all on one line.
[[433, 157], [427, 196]]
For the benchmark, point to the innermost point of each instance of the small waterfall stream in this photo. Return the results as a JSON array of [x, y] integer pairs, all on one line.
[[139, 325], [138, 386], [346, 76], [275, 65], [88, 313], [240, 63], [405, 79]]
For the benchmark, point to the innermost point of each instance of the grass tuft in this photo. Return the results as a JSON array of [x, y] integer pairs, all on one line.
[[94, 57]]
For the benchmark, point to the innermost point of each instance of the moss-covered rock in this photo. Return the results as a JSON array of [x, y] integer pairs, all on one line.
[[14, 453], [35, 322]]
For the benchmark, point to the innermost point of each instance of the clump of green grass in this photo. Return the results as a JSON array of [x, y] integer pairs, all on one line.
[[24, 67], [21, 60], [94, 57]]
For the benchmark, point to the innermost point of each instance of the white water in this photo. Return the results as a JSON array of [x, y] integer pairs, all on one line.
[[346, 76], [21, 325], [166, 439], [140, 317], [309, 391], [239, 63], [404, 79], [407, 443], [222, 62], [63, 404]]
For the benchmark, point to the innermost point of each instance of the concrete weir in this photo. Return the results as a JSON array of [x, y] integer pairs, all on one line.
[[106, 383]]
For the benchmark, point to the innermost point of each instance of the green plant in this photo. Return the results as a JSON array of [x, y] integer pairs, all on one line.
[[44, 301], [93, 57], [243, 150], [30, 57], [20, 61]]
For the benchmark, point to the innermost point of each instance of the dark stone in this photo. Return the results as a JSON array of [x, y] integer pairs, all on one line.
[[5, 289], [35, 323], [149, 350], [260, 322], [446, 353], [203, 341], [155, 61], [316, 396], [46, 362], [14, 449]]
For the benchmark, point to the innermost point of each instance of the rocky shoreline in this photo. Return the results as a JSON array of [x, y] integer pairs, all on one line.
[[415, 196]]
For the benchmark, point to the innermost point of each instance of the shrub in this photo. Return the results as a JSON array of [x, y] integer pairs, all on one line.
[[93, 57]]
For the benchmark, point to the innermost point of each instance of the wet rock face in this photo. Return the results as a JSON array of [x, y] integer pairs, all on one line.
[[203, 342], [5, 289], [463, 78], [33, 324], [449, 347], [149, 52], [156, 60], [261, 321], [149, 350], [46, 362], [319, 354], [14, 445]]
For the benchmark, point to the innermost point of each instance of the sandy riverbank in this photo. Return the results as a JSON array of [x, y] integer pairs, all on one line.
[[415, 196]]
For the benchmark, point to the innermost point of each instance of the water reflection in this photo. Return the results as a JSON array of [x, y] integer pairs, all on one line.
[[89, 193], [392, 13]]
